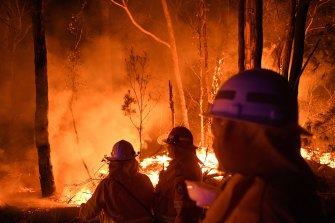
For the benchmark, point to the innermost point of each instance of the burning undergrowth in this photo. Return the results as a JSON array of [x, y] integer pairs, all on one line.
[[322, 165], [78, 193]]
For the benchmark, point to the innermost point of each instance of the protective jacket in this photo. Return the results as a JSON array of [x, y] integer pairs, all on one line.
[[271, 183], [121, 199], [172, 203], [286, 198]]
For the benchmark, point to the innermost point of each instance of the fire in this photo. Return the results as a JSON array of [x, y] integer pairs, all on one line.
[[26, 189], [210, 163], [325, 158], [153, 165], [79, 193], [79, 197]]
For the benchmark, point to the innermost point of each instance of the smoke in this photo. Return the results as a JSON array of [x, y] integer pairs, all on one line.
[[96, 109], [85, 118]]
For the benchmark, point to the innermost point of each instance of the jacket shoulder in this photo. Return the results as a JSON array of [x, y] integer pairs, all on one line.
[[291, 200]]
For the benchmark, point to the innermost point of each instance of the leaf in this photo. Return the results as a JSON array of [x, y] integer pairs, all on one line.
[[128, 101]]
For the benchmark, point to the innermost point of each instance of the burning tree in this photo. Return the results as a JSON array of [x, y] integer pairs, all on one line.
[[77, 29], [138, 100], [203, 69], [250, 33], [207, 87], [318, 95]]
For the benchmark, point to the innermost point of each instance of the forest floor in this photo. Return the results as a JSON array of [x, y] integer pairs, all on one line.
[[27, 210], [325, 176], [12, 214]]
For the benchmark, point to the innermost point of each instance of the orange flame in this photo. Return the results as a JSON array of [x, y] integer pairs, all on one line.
[[77, 194], [326, 158], [80, 193]]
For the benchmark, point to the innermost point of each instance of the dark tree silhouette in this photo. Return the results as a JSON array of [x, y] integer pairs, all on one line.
[[298, 44], [42, 103], [253, 32], [250, 34], [241, 45], [286, 53]]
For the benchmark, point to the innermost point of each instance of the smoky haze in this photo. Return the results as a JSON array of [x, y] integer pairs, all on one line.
[[85, 116], [96, 97]]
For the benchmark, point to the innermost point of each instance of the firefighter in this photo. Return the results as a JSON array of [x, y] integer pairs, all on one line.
[[172, 203], [257, 139], [125, 195]]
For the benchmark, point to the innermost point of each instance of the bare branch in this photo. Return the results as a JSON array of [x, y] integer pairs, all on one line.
[[192, 99], [132, 122], [118, 4], [327, 90], [5, 21], [125, 7], [313, 15], [148, 113], [321, 27], [194, 72], [24, 34]]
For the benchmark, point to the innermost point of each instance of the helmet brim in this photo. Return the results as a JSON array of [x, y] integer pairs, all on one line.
[[163, 140], [303, 131], [113, 159]]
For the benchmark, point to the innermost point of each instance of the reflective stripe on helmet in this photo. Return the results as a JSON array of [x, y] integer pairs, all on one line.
[[260, 96]]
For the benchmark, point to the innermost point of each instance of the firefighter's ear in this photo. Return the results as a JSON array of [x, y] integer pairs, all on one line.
[[136, 166]]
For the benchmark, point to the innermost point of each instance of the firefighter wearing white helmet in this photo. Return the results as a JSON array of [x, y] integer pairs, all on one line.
[[125, 195], [122, 151], [256, 137]]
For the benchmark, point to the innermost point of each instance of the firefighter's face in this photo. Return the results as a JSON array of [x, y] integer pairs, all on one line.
[[220, 136], [216, 142]]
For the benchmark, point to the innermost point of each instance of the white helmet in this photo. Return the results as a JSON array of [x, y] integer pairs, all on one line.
[[122, 151], [259, 96]]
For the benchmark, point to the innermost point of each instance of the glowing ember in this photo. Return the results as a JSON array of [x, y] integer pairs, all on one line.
[[26, 189], [80, 193], [210, 163], [153, 165], [82, 196], [319, 157], [77, 197]]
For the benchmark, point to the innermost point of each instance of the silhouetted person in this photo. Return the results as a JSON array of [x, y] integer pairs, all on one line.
[[172, 203], [257, 139], [125, 195]]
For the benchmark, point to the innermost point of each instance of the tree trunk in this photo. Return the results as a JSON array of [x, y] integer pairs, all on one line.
[[298, 44], [203, 56], [286, 53], [42, 104], [253, 34], [173, 49], [241, 43], [171, 103]]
